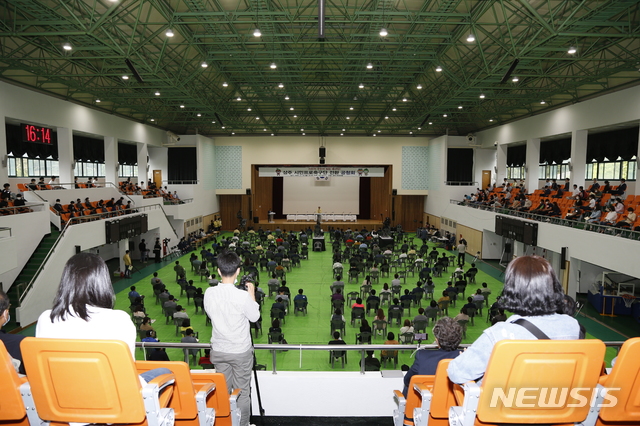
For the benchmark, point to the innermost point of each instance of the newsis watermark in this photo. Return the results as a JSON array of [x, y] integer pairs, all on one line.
[[552, 397]]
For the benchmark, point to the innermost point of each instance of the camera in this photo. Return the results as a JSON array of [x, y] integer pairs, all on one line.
[[166, 240], [246, 278]]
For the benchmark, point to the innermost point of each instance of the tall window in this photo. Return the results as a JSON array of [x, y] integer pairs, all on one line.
[[89, 156], [555, 171], [516, 157], [128, 159], [613, 170], [31, 167]]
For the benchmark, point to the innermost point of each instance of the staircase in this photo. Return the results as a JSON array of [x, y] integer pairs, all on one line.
[[28, 272]]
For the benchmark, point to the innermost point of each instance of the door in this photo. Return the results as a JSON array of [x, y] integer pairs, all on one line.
[[157, 178], [486, 178]]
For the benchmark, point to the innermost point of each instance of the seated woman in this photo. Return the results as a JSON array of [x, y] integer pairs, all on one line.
[[534, 294], [365, 328], [448, 335], [406, 328], [146, 324], [358, 304]]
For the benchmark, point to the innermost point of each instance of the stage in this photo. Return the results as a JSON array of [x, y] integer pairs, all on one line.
[[285, 225]]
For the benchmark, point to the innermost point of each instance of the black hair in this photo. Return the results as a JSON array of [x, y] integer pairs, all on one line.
[[85, 282], [336, 334], [228, 263], [391, 336], [531, 287], [4, 302]]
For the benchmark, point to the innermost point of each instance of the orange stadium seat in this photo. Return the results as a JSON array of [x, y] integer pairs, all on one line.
[[189, 406], [226, 405], [624, 376], [537, 367], [22, 187], [428, 399], [93, 381], [12, 411]]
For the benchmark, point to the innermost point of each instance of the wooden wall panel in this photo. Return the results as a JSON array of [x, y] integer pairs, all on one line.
[[432, 220], [473, 237], [262, 193], [409, 210], [229, 206], [381, 195]]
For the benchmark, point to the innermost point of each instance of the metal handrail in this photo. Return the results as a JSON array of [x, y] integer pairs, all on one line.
[[82, 219], [274, 347]]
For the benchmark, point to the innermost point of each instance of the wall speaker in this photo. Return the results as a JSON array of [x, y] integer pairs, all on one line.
[[256, 219], [394, 192], [322, 152], [78, 249], [322, 160], [248, 191], [563, 258], [507, 247]]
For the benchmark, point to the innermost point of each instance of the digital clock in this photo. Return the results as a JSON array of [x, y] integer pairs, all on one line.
[[37, 134]]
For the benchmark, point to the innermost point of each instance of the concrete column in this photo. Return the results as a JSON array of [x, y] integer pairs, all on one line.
[[532, 165], [143, 154], [578, 156], [501, 163], [110, 159], [4, 169], [65, 154]]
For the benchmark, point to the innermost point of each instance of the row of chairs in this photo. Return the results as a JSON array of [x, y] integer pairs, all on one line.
[[549, 371], [97, 382]]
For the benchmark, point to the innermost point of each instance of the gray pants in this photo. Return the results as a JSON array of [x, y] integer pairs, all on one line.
[[237, 373]]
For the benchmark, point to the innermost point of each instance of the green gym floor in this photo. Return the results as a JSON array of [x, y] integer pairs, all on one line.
[[315, 277]]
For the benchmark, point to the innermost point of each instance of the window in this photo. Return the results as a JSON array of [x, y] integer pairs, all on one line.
[[555, 171], [127, 170], [32, 167], [515, 172], [86, 169], [613, 170]]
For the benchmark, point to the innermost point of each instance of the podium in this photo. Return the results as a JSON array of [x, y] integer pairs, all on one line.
[[271, 216]]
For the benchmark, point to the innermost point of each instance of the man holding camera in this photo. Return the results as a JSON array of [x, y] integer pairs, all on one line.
[[231, 309]]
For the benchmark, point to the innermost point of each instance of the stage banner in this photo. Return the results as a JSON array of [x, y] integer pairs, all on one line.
[[324, 172]]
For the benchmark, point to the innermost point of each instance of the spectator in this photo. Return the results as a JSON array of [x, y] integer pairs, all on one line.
[[11, 341], [371, 363], [533, 293], [448, 335]]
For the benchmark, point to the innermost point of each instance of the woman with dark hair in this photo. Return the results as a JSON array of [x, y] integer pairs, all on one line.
[[534, 295], [83, 305]]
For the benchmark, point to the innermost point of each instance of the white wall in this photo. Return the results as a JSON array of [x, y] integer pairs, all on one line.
[[27, 230], [88, 236], [304, 150]]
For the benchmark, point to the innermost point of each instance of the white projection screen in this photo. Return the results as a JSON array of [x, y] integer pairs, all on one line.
[[337, 195]]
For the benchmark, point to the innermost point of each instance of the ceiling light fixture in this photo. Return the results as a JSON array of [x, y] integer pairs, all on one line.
[[383, 32], [404, 99], [291, 109], [169, 33], [98, 101], [361, 86], [471, 38], [286, 98], [257, 118], [459, 106], [157, 93], [430, 123], [481, 95], [542, 102], [281, 85], [369, 66], [238, 98], [257, 33], [67, 46], [350, 108], [204, 64], [515, 79], [273, 66], [248, 109], [181, 106], [225, 84], [393, 109], [444, 115], [419, 87], [386, 117], [572, 50], [438, 68], [125, 77], [153, 119], [491, 120], [419, 128], [199, 115]]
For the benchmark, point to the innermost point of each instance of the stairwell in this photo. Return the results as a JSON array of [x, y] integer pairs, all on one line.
[[28, 272]]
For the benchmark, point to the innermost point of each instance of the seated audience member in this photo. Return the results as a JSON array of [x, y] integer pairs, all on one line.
[[448, 335], [462, 316], [337, 315], [391, 340], [11, 341], [279, 304], [358, 304], [301, 296], [83, 305], [371, 363], [180, 313], [628, 220], [534, 294], [146, 324], [189, 337], [406, 328], [501, 317]]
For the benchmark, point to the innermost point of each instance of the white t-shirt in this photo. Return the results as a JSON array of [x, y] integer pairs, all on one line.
[[102, 324], [230, 310]]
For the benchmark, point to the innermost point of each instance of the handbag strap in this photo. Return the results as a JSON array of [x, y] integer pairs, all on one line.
[[531, 328]]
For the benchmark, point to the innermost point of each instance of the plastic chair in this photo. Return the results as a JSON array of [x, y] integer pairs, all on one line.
[[538, 366], [12, 409], [92, 381], [381, 326], [357, 314], [189, 404], [624, 375], [299, 306], [225, 404], [338, 325], [428, 399]]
